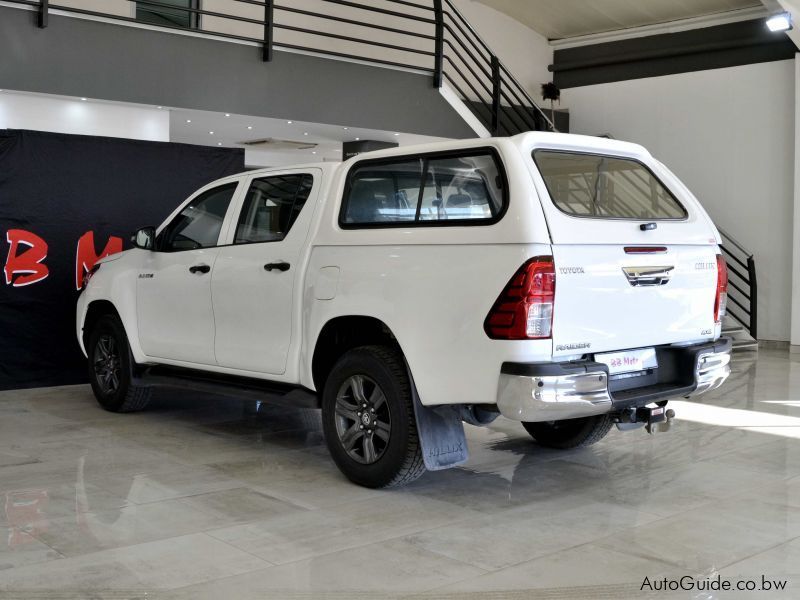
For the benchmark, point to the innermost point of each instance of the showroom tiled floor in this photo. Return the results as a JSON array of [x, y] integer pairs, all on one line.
[[200, 498]]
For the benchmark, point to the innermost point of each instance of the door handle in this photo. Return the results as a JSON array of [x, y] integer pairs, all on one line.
[[279, 266], [199, 269]]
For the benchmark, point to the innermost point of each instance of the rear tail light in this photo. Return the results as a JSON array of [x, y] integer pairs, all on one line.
[[524, 310], [721, 299]]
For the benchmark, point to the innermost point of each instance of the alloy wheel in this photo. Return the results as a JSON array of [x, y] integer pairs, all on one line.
[[107, 364], [363, 421]]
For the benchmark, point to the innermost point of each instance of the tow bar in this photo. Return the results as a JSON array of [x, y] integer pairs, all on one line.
[[647, 417]]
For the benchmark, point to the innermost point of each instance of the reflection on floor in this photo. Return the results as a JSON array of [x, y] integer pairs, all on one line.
[[202, 498]]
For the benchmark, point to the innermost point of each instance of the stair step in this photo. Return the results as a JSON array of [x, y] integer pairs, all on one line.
[[731, 329], [745, 345]]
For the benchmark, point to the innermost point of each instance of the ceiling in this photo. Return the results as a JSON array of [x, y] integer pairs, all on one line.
[[324, 141], [558, 19]]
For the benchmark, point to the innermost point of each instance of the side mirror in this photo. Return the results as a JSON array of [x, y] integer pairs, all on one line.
[[145, 238]]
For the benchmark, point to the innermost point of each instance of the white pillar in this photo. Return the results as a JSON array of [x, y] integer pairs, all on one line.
[[795, 333]]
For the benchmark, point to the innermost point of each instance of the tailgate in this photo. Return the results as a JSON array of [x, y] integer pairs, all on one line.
[[609, 300], [634, 252]]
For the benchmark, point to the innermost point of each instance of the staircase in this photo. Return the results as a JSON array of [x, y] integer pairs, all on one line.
[[741, 321], [428, 36], [480, 79]]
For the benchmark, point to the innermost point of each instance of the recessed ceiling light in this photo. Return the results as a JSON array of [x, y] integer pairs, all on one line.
[[345, 128], [227, 114], [290, 122], [84, 99], [210, 133], [219, 143], [159, 107], [250, 127], [357, 139], [396, 134], [188, 120], [313, 152], [305, 133]]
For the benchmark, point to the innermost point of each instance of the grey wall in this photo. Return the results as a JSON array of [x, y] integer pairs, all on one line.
[[78, 57]]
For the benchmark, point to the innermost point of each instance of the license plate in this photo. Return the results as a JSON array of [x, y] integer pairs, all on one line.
[[626, 362]]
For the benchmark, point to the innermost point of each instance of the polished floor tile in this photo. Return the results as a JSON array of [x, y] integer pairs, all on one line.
[[203, 497]]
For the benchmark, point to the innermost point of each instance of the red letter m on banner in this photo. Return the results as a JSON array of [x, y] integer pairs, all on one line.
[[85, 259]]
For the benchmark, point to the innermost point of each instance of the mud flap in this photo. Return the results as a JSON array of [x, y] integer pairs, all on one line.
[[441, 433]]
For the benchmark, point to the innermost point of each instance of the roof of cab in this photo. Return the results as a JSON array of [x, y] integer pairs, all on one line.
[[525, 141]]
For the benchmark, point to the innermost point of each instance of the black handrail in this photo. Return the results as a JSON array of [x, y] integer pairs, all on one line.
[[742, 265], [459, 55]]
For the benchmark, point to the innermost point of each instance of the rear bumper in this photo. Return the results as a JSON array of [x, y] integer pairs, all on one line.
[[554, 391]]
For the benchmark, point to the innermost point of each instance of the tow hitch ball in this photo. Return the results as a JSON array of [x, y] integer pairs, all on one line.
[[647, 417]]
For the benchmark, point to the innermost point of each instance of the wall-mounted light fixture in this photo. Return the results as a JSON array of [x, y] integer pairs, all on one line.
[[780, 22]]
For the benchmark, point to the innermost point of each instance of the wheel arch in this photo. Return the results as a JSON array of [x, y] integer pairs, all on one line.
[[343, 333], [94, 312]]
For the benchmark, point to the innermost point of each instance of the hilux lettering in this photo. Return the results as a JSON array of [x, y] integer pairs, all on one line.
[[579, 346]]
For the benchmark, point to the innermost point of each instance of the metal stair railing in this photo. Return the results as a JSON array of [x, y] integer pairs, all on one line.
[[430, 36], [742, 283]]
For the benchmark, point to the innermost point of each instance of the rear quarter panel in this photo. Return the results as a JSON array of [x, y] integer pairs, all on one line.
[[432, 286]]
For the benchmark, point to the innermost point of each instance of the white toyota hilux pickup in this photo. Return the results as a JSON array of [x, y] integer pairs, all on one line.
[[570, 283]]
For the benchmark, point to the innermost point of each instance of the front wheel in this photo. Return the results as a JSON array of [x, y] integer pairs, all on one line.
[[368, 418], [570, 433], [111, 366]]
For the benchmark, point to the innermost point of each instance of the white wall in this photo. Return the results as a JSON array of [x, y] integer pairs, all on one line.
[[525, 52], [729, 135], [46, 113]]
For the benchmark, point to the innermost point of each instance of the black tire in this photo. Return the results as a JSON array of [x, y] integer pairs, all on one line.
[[570, 433], [396, 456], [111, 366]]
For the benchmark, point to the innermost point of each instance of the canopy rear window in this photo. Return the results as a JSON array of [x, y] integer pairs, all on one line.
[[594, 185]]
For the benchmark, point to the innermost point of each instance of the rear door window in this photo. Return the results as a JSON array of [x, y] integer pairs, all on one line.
[[271, 207], [457, 188], [610, 187]]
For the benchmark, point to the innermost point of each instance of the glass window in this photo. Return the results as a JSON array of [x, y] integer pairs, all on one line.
[[198, 225], [454, 188], [173, 17], [467, 187], [383, 192], [271, 207], [593, 185]]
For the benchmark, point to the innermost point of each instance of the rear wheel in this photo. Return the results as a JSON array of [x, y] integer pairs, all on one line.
[[570, 433], [111, 367], [368, 418]]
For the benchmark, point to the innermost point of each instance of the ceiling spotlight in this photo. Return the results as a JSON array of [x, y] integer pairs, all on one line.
[[227, 114], [345, 128], [396, 134], [250, 127], [313, 152], [188, 120], [290, 122], [780, 22], [357, 139], [84, 99], [219, 143], [210, 133], [159, 107]]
